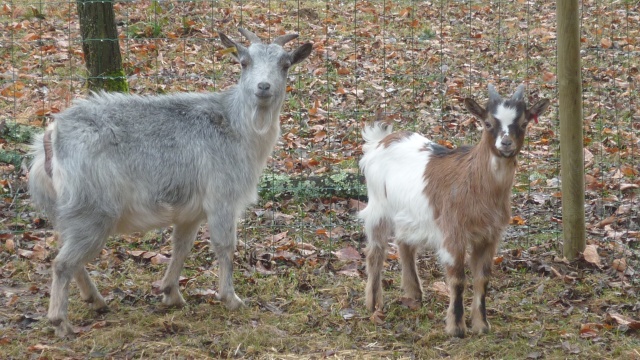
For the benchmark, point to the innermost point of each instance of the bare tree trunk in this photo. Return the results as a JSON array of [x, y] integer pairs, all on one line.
[[100, 45]]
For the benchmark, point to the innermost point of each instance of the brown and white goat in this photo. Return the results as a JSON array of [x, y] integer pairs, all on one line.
[[428, 195]]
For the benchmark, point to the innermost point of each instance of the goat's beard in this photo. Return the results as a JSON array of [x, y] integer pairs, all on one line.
[[261, 124]]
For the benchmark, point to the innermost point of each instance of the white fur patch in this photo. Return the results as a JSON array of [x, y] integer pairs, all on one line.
[[445, 257], [505, 116], [395, 185]]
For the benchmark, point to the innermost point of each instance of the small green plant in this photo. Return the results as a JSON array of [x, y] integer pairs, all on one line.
[[14, 132], [427, 34]]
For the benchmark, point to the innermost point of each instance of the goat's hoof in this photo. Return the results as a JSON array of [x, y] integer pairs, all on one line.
[[232, 302], [459, 333], [374, 304], [98, 304], [62, 328], [101, 310], [481, 328], [173, 300], [456, 331]]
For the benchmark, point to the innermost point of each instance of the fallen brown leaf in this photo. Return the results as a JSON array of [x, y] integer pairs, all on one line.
[[440, 288], [590, 330], [356, 205], [377, 317], [608, 221], [159, 259], [619, 264], [27, 254], [9, 245], [624, 323], [347, 253], [591, 255], [411, 303]]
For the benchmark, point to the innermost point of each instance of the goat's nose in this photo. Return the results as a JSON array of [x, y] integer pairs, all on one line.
[[264, 86], [506, 141]]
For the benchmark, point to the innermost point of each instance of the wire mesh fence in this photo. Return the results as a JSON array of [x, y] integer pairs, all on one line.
[[413, 60]]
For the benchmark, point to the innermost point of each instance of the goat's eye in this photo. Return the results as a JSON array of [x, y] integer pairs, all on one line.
[[487, 125], [286, 65], [244, 63]]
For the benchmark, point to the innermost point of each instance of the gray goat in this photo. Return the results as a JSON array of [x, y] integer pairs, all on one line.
[[116, 163]]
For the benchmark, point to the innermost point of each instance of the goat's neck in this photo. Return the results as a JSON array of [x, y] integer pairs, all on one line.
[[259, 127], [498, 171]]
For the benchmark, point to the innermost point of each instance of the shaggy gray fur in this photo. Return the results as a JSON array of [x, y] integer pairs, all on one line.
[[123, 163]]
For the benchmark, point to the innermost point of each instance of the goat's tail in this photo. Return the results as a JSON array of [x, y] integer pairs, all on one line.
[[43, 193], [374, 133]]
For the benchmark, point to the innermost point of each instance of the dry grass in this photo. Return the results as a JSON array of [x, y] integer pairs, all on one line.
[[312, 312]]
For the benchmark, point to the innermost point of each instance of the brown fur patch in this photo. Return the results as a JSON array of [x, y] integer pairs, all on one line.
[[466, 197], [394, 137], [48, 153]]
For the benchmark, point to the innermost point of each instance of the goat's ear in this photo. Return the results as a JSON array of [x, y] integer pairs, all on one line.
[[475, 109], [233, 47], [537, 109], [301, 53]]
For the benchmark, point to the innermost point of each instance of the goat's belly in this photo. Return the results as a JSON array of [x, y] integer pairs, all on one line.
[[417, 229], [142, 219]]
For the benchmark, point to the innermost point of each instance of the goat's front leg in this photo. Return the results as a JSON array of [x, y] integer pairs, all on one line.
[[455, 324], [222, 227], [481, 263], [182, 240]]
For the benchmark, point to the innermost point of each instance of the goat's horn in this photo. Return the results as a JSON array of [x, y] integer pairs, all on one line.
[[519, 94], [283, 39], [493, 94], [250, 36]]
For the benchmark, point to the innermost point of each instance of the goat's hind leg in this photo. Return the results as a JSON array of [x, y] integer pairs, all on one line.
[[481, 262], [378, 232], [82, 240], [222, 227], [88, 291], [182, 240], [410, 279]]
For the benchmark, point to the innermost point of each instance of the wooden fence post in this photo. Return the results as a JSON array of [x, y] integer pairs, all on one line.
[[571, 132]]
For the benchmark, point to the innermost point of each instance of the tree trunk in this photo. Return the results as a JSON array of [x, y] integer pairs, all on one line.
[[100, 46]]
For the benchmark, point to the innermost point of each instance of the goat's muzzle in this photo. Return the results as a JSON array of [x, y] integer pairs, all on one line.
[[264, 91]]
